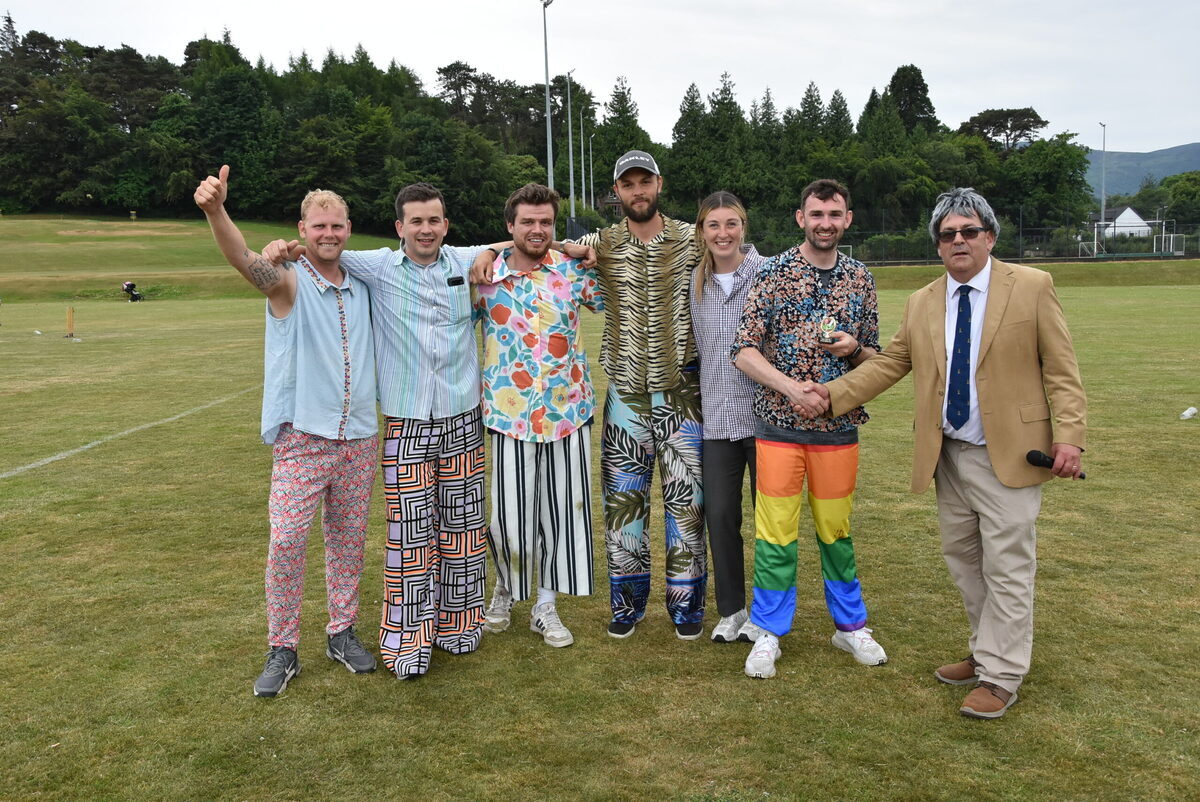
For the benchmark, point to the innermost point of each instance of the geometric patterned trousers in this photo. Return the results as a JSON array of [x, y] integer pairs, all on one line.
[[307, 470], [436, 551]]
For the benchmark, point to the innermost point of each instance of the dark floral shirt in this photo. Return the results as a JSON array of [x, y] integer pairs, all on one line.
[[783, 311]]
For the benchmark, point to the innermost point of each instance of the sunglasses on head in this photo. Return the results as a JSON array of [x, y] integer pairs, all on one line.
[[970, 232]]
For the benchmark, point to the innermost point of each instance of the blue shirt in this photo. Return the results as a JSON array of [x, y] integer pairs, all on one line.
[[426, 357], [319, 361]]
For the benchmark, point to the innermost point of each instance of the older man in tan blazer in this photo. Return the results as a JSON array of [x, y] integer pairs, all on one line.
[[994, 377]]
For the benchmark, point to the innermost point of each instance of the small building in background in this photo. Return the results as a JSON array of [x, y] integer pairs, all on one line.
[[1122, 221]]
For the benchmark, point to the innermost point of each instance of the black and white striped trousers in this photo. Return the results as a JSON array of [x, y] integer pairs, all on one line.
[[542, 510]]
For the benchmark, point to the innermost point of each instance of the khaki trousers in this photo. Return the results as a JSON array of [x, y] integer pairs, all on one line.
[[989, 544]]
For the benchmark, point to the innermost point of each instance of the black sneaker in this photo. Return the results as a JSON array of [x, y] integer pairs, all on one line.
[[620, 629], [282, 665], [346, 648], [689, 631]]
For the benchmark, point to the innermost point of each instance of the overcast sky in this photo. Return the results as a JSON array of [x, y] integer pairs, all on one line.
[[1131, 65]]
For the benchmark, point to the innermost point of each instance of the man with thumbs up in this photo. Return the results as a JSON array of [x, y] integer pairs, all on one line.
[[319, 413]]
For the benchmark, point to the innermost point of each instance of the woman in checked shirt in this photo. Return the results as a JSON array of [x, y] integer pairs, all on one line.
[[723, 277]]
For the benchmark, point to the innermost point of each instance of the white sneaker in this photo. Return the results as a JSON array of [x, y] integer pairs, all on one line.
[[726, 630], [750, 632], [498, 615], [860, 644], [761, 662], [544, 620]]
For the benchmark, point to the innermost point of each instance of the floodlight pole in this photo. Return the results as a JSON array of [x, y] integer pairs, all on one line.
[[549, 139], [571, 146], [582, 167], [592, 169], [1103, 171]]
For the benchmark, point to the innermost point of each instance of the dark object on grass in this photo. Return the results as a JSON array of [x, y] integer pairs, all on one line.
[[131, 290]]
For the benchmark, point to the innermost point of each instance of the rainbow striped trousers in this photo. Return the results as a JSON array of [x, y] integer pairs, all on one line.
[[831, 471]]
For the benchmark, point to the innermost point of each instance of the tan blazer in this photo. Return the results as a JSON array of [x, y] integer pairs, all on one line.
[[1025, 360]]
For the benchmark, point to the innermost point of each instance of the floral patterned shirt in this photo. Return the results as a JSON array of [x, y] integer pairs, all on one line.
[[536, 382], [783, 310]]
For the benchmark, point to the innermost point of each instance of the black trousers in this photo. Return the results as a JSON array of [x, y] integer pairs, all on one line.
[[724, 463]]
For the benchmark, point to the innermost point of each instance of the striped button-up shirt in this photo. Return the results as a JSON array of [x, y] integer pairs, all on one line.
[[319, 372], [726, 394], [647, 340], [426, 357]]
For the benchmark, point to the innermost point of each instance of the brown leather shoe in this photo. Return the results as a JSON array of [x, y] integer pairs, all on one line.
[[987, 701], [964, 672]]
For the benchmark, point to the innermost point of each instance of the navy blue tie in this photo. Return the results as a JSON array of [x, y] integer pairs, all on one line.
[[958, 405]]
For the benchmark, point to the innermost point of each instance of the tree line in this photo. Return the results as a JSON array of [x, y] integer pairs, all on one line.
[[87, 129]]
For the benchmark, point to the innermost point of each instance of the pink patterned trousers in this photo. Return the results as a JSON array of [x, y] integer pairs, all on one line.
[[308, 470]]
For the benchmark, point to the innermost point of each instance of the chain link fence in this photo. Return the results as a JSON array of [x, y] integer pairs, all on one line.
[[1031, 244]]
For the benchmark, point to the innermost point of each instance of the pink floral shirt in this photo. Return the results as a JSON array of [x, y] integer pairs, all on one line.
[[536, 382]]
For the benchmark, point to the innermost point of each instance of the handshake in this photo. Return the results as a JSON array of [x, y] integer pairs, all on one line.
[[809, 399]]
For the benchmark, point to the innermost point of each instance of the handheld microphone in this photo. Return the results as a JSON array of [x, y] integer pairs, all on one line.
[[1044, 460]]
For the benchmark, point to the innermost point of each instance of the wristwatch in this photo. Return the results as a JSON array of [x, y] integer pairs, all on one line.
[[854, 354]]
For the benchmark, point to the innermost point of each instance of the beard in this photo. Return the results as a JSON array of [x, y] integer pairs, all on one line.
[[534, 252], [816, 244], [641, 217]]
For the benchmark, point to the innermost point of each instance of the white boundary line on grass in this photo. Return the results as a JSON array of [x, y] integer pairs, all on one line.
[[72, 452]]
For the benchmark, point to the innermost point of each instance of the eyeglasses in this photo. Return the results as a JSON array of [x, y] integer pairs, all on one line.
[[970, 232]]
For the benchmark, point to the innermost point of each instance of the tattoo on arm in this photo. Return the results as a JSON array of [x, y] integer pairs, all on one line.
[[263, 274]]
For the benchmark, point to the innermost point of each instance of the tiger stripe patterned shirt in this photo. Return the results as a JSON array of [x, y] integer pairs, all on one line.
[[647, 340]]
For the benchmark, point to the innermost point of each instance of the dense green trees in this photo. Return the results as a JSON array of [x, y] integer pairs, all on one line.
[[1176, 197], [1006, 128], [95, 130]]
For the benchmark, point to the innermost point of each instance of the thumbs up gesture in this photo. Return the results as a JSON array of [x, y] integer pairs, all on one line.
[[210, 195]]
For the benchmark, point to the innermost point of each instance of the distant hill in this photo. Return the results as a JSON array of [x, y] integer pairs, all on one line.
[[1126, 170]]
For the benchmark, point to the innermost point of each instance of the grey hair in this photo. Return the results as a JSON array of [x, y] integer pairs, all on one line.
[[965, 202]]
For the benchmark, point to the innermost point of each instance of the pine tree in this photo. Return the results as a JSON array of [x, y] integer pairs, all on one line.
[[689, 165], [726, 135], [868, 109], [620, 131], [883, 131], [839, 125], [9, 41], [911, 94], [812, 112]]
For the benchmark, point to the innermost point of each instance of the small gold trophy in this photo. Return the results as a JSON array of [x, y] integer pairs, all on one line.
[[827, 328]]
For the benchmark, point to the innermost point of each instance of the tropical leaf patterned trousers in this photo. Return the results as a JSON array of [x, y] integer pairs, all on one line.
[[639, 429]]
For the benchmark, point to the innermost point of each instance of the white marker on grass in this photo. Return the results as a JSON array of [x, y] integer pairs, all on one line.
[[72, 452]]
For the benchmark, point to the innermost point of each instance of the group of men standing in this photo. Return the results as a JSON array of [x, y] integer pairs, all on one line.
[[347, 327]]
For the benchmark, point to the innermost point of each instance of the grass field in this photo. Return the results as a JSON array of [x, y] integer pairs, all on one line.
[[131, 591]]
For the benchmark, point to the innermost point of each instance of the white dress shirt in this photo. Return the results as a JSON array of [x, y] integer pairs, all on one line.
[[972, 430]]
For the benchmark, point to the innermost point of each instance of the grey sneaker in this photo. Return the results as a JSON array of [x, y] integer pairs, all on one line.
[[750, 632], [282, 665], [544, 620], [726, 630], [498, 615], [346, 648]]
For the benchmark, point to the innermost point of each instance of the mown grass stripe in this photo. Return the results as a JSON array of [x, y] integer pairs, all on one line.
[[73, 451]]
